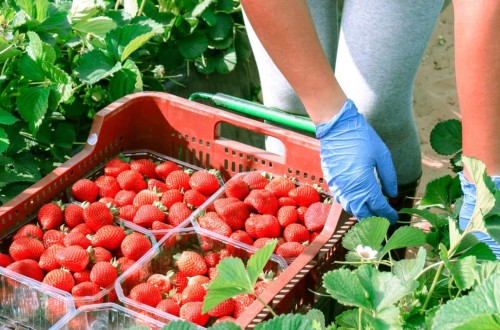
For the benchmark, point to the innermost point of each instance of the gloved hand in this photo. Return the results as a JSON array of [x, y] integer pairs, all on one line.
[[468, 206], [351, 151]]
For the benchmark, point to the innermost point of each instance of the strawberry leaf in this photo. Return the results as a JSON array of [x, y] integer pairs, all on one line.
[[287, 321], [225, 325], [463, 271], [404, 237], [258, 261], [96, 65], [446, 137], [408, 269], [437, 193], [369, 232], [33, 103], [4, 140], [180, 325], [345, 288]]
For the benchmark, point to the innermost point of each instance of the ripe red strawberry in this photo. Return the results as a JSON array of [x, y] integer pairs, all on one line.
[[266, 225], [131, 180], [169, 306], [5, 260], [194, 198], [170, 197], [225, 308], [76, 238], [195, 292], [135, 245], [144, 166], [27, 267], [280, 186], [165, 168], [109, 237], [75, 258], [233, 211], [313, 236], [53, 236], [26, 248], [160, 229], [108, 186], [50, 216], [301, 212], [239, 236], [147, 214], [73, 215], [286, 201], [198, 279], [128, 212], [261, 242], [115, 166], [287, 215], [178, 179], [157, 185], [241, 303], [97, 215], [290, 250], [85, 190], [110, 202], [146, 197], [161, 281], [225, 319], [262, 201], [191, 312], [125, 197], [256, 180], [97, 254], [212, 259], [316, 216], [82, 276], [85, 289], [206, 182], [177, 213], [29, 230], [59, 278], [305, 195], [296, 232], [103, 274], [213, 222], [48, 259], [213, 273], [237, 188], [146, 293], [180, 281], [191, 263], [135, 277]]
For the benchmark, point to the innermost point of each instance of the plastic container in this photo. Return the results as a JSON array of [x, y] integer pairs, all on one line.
[[161, 260], [190, 132], [106, 316], [29, 304]]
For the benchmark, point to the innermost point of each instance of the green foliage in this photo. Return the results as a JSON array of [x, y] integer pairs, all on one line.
[[446, 140], [62, 61]]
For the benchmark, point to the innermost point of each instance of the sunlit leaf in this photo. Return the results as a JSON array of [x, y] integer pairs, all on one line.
[[369, 232], [446, 137]]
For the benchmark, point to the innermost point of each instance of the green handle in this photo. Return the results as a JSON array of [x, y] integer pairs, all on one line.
[[257, 110]]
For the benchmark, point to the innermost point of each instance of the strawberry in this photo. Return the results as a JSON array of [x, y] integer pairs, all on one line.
[[128, 212], [296, 232], [109, 237], [165, 168], [50, 216], [316, 216], [177, 213], [290, 250], [147, 214], [103, 274], [239, 236], [225, 308], [304, 195], [145, 197], [237, 188], [97, 215], [110, 202], [85, 289], [233, 211], [82, 276], [53, 236], [108, 186], [195, 292], [146, 293], [212, 259], [280, 186], [131, 180], [5, 260], [48, 259], [28, 268], [160, 229], [241, 303], [313, 236], [76, 238], [115, 166], [59, 278], [261, 242], [206, 182], [85, 190], [29, 230], [180, 281], [134, 277], [144, 166], [161, 281], [73, 215], [198, 279], [301, 211], [135, 246], [287, 215], [255, 180], [225, 319], [194, 198], [157, 185], [169, 306], [75, 258], [286, 201], [178, 179], [262, 201], [191, 263], [83, 228], [191, 312], [125, 197], [266, 225], [213, 222], [213, 273], [97, 254], [171, 196], [26, 248]]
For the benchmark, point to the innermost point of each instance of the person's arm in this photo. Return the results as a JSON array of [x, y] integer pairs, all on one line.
[[286, 31], [477, 65]]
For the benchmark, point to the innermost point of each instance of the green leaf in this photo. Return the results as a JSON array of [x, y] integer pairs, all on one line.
[[369, 232], [317, 319], [96, 65], [446, 137], [225, 5], [345, 287], [179, 325], [31, 69], [258, 261], [122, 83], [242, 45], [286, 322], [436, 193], [64, 136], [96, 25], [205, 64], [350, 320], [436, 220], [24, 169], [7, 50], [463, 271], [39, 51], [28, 6], [487, 270], [193, 45], [492, 224], [227, 62], [481, 306], [404, 237], [225, 325], [222, 28], [200, 8], [480, 250], [138, 84], [7, 118], [32, 104], [42, 10], [124, 40], [11, 190], [408, 269], [4, 140], [62, 81]]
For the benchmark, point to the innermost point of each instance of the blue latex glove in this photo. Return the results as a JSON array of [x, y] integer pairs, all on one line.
[[468, 206], [351, 151]]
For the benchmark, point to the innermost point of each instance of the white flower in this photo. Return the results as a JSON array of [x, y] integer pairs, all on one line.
[[366, 252]]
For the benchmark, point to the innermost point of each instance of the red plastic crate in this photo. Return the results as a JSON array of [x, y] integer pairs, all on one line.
[[189, 131]]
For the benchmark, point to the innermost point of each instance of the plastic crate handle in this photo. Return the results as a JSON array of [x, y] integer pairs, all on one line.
[[275, 115]]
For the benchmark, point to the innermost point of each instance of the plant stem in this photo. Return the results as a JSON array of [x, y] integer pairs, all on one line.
[[433, 286], [265, 305], [77, 88], [427, 268], [360, 313], [141, 7], [117, 4]]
